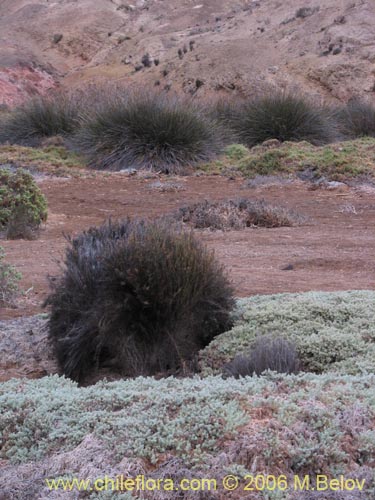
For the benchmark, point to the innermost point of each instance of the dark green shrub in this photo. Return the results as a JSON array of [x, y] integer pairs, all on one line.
[[22, 204], [8, 281], [268, 353], [140, 297], [304, 12], [284, 117], [357, 119], [147, 130], [39, 118]]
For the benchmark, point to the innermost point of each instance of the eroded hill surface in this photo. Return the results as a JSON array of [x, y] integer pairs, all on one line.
[[213, 46]]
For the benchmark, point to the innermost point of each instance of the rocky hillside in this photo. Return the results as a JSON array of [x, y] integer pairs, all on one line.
[[326, 48]]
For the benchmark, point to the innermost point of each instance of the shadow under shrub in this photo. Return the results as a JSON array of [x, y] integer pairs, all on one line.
[[129, 129], [357, 119], [285, 117], [139, 297], [39, 118], [23, 206]]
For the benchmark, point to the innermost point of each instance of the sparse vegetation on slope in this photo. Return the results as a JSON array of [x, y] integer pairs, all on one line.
[[332, 332], [140, 297]]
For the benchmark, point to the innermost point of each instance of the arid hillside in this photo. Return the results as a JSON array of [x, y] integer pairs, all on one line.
[[325, 48]]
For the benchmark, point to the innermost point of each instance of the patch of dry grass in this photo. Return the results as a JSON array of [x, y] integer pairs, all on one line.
[[237, 214]]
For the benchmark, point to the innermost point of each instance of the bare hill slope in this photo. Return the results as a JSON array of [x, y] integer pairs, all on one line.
[[326, 47]]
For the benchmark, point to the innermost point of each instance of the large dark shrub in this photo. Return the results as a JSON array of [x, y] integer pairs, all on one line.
[[130, 129], [140, 297], [39, 118], [357, 119], [23, 206], [268, 353], [282, 116]]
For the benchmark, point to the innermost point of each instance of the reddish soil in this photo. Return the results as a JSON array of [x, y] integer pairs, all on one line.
[[332, 251]]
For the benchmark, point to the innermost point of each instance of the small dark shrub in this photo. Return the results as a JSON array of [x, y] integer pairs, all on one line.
[[9, 278], [236, 214], [284, 117], [140, 297], [23, 207], [39, 118], [304, 12], [357, 119], [268, 353], [147, 130], [146, 61], [57, 37]]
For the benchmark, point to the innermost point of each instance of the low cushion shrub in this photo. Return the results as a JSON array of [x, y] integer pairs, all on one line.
[[332, 332], [237, 214]]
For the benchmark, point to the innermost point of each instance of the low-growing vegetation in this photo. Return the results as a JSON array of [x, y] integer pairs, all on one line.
[[339, 161], [23, 206], [236, 214], [9, 279], [275, 424], [139, 297], [332, 332], [49, 160]]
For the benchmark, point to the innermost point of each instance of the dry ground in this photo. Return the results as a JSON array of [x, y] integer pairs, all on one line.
[[236, 45], [332, 251]]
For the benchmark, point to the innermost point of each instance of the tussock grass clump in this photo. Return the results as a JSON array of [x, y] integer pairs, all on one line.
[[23, 206], [144, 129], [357, 119], [236, 214], [282, 116], [275, 354], [139, 297], [9, 278], [39, 118]]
